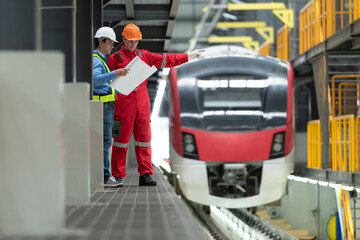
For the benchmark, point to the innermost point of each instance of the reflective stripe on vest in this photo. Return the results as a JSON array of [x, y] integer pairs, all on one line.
[[105, 98], [143, 144], [163, 64], [120, 145]]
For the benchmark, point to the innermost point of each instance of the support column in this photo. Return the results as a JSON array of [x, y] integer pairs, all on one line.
[[84, 36], [97, 15], [58, 24], [321, 87], [18, 24]]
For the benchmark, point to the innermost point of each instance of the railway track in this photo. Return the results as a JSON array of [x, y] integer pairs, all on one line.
[[223, 224]]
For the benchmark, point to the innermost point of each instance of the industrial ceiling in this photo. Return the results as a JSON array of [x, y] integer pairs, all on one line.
[[166, 25]]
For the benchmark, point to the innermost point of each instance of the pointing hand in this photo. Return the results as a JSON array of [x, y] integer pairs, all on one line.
[[196, 54]]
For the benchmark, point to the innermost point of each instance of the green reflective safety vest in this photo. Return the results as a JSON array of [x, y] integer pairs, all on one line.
[[105, 98]]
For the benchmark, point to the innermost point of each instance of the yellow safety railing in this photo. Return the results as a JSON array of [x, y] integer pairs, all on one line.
[[314, 144], [342, 143], [319, 19], [348, 222], [333, 88], [282, 43], [357, 136], [312, 24], [264, 48], [352, 106]]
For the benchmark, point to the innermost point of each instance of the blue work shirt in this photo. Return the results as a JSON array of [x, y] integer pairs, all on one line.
[[101, 77]]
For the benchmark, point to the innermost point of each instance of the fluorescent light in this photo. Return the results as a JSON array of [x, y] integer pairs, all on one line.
[[313, 181], [301, 179], [304, 180], [334, 185], [323, 183], [347, 188]]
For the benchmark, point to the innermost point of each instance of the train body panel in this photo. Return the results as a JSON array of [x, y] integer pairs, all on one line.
[[232, 128], [233, 146], [194, 184]]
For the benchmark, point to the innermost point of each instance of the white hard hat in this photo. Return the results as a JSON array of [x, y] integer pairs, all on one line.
[[106, 32]]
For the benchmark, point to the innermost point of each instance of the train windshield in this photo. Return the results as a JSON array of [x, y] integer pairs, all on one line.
[[233, 102]]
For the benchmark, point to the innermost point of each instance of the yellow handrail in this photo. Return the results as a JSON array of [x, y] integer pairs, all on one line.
[[264, 48], [333, 89], [342, 143], [340, 97], [357, 157], [283, 50], [348, 223], [314, 144], [319, 19]]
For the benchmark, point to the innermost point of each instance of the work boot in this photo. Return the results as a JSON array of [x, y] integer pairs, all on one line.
[[145, 180], [112, 183]]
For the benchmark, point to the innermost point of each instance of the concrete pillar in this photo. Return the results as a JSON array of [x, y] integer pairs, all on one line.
[[77, 143], [321, 87], [96, 146], [32, 186]]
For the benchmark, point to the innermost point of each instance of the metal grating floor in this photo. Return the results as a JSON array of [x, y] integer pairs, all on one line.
[[130, 213]]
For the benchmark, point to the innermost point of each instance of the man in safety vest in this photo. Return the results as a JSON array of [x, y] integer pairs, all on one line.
[[133, 110], [102, 76]]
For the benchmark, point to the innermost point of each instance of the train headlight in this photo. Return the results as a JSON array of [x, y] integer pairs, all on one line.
[[189, 146], [278, 138], [278, 145], [188, 138]]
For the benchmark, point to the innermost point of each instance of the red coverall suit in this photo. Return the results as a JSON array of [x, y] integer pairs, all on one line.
[[133, 111]]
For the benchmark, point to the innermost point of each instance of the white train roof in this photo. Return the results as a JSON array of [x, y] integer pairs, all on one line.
[[233, 50], [227, 50]]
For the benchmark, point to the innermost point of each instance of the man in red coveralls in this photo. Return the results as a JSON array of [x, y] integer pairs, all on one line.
[[133, 110]]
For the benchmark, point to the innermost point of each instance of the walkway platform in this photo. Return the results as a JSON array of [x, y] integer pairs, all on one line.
[[130, 212]]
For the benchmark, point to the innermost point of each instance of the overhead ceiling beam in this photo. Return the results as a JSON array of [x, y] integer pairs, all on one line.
[[167, 45], [278, 9], [170, 28], [230, 39], [240, 24], [256, 6], [115, 12], [174, 8], [129, 6], [155, 18]]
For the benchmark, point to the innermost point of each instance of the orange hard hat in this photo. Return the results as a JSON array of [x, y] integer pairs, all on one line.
[[132, 32]]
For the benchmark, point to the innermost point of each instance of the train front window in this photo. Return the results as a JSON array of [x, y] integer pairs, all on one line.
[[234, 103]]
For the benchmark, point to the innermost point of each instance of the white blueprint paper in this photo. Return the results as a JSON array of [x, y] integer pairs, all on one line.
[[139, 72]]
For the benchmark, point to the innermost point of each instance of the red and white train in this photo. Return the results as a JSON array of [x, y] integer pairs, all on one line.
[[232, 127]]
